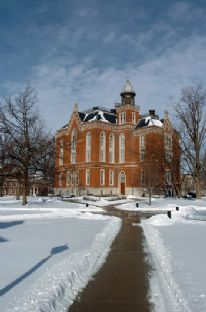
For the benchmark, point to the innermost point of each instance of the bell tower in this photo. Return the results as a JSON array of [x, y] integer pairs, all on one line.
[[128, 94]]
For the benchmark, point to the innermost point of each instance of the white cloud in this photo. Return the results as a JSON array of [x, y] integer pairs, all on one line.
[[155, 81], [172, 62]]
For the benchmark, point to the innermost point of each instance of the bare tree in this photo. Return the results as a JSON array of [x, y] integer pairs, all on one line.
[[190, 111], [153, 165], [45, 160], [20, 121], [5, 165]]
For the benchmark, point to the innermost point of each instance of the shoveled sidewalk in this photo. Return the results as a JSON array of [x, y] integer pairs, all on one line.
[[122, 284]]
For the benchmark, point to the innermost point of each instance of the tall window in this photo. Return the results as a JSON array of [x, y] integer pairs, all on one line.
[[102, 177], [168, 147], [87, 176], [75, 178], [68, 181], [111, 148], [61, 153], [133, 118], [88, 147], [60, 179], [142, 177], [102, 146], [73, 146], [111, 177], [122, 148], [142, 147], [168, 177], [122, 118]]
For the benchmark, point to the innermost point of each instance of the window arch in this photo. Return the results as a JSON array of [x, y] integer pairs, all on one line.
[[88, 147], [73, 146], [61, 153], [102, 146], [102, 176], [122, 148], [111, 147]]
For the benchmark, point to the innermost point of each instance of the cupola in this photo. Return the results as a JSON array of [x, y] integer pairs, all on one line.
[[128, 94]]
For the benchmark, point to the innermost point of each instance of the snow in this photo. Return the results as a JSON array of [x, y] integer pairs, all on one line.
[[49, 250], [101, 114], [153, 122], [178, 255]]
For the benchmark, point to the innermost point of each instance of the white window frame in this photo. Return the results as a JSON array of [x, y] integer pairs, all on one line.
[[168, 147], [142, 147], [68, 181], [111, 148], [168, 177], [61, 153], [111, 177], [87, 176], [102, 177], [88, 147], [122, 118], [73, 146], [102, 145], [142, 178], [122, 148], [60, 179]]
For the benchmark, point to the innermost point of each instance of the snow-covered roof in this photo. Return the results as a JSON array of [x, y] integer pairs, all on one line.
[[98, 113], [148, 121], [128, 87]]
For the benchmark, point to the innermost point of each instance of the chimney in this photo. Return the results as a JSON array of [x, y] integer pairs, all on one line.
[[166, 114], [75, 107], [152, 112]]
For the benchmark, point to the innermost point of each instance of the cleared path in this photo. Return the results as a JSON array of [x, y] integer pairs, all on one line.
[[121, 285]]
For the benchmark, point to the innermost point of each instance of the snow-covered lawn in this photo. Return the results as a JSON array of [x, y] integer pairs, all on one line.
[[48, 252], [178, 254]]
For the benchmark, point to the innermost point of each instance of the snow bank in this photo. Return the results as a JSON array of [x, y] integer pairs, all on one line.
[[163, 264], [178, 255], [57, 288]]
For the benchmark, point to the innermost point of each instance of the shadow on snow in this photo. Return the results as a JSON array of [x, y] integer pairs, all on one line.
[[53, 251], [4, 225]]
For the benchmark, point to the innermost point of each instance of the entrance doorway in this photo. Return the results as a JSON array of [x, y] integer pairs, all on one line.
[[122, 183]]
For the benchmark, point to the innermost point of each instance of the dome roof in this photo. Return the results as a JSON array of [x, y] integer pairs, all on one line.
[[128, 88]]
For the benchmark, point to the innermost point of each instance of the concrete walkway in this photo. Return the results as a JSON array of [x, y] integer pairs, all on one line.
[[121, 285]]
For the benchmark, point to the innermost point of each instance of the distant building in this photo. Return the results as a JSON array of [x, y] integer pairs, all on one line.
[[108, 151], [10, 186], [38, 187]]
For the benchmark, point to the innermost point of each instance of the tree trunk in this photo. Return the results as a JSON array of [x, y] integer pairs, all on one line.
[[24, 196], [18, 191], [150, 197], [1, 189], [25, 188], [198, 188]]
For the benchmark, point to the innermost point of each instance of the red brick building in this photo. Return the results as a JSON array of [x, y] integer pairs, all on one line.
[[116, 151]]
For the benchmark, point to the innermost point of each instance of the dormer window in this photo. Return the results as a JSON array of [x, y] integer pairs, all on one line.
[[122, 118]]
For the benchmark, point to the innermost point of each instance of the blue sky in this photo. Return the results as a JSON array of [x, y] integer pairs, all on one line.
[[83, 51]]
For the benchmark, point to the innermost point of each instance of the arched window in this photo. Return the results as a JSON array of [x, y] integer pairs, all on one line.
[[102, 177], [168, 147], [142, 147], [61, 153], [88, 147], [73, 146], [60, 179], [111, 148], [102, 146], [122, 148]]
